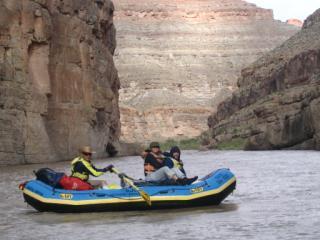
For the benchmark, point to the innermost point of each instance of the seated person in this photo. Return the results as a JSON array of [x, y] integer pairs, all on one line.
[[82, 168], [155, 169], [174, 155]]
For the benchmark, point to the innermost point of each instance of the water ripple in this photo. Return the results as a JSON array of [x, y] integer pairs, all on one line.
[[277, 197]]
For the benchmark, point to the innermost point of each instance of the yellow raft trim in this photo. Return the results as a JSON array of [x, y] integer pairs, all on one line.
[[126, 200]]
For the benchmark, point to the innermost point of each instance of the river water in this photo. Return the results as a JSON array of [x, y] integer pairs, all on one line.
[[277, 197]]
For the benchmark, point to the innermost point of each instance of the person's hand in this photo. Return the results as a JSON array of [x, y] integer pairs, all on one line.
[[108, 168], [122, 175], [145, 153]]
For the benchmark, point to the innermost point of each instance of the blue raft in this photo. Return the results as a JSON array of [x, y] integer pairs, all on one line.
[[210, 190]]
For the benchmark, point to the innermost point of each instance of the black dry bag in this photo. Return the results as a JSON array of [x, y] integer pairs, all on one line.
[[49, 176]]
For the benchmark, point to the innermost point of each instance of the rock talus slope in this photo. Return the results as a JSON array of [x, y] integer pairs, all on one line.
[[277, 105], [178, 59], [58, 83]]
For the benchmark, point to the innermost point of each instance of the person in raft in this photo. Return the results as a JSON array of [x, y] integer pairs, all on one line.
[[175, 159], [155, 169], [81, 169]]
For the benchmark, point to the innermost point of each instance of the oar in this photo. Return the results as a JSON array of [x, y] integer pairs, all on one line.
[[142, 193]]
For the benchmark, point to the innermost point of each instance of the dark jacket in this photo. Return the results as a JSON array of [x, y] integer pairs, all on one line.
[[156, 162]]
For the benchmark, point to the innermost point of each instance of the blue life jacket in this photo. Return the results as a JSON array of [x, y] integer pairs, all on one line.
[[168, 162]]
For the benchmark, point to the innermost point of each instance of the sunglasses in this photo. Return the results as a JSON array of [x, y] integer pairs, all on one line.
[[87, 154]]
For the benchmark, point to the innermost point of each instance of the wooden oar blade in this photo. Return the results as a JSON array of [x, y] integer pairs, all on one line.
[[146, 197]]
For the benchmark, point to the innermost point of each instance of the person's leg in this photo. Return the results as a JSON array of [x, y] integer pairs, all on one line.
[[97, 183], [174, 174], [182, 179], [161, 174], [178, 172]]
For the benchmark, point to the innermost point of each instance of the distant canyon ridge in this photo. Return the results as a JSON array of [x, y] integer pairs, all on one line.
[[177, 60]]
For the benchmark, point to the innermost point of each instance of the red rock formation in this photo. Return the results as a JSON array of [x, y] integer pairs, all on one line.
[[295, 22], [58, 83], [277, 103]]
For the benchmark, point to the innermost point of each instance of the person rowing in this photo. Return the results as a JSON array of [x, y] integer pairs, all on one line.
[[81, 169]]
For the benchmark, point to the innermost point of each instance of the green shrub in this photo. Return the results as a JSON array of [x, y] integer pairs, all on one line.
[[190, 144], [233, 144], [185, 144]]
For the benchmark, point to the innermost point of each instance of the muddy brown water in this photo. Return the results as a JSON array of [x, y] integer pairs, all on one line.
[[277, 197]]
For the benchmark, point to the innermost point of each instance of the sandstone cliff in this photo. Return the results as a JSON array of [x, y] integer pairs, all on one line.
[[58, 83], [178, 59], [277, 105]]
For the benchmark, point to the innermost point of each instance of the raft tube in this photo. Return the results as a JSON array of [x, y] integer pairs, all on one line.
[[210, 190]]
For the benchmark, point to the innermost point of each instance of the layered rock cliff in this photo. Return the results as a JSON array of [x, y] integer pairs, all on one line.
[[58, 83], [277, 105], [178, 59]]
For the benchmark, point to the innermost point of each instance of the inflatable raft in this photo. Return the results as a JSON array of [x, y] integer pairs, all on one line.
[[210, 190]]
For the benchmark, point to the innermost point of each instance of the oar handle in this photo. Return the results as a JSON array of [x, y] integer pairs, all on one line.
[[121, 175], [127, 180], [143, 194], [115, 170]]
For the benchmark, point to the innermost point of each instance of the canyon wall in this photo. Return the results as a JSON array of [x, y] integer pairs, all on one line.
[[277, 105], [178, 59], [58, 83]]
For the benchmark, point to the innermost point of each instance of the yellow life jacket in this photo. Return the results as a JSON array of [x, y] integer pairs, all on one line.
[[83, 175], [176, 163]]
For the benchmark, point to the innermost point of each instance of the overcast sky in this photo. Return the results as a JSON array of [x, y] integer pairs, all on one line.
[[285, 9]]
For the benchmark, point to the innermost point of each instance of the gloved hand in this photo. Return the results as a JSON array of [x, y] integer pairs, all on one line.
[[108, 168], [122, 175]]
